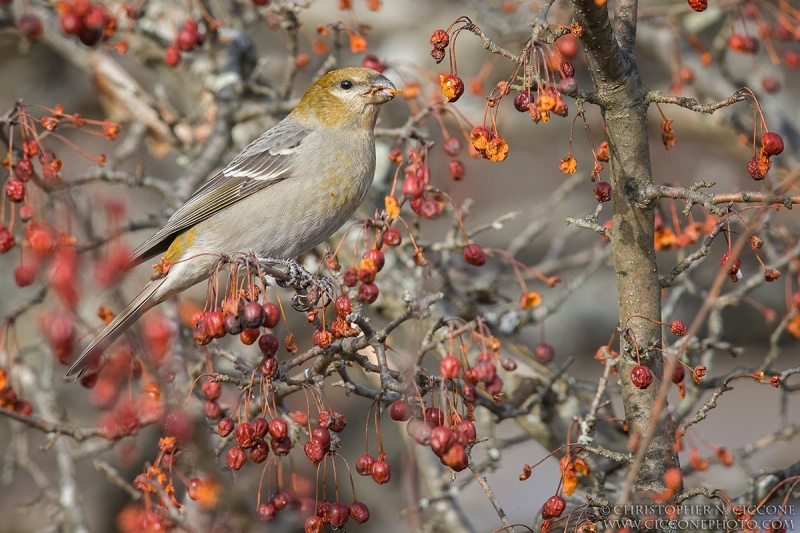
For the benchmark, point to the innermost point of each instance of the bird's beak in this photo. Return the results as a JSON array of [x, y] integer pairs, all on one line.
[[382, 90]]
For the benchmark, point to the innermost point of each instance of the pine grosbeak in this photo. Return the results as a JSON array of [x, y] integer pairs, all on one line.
[[288, 191]]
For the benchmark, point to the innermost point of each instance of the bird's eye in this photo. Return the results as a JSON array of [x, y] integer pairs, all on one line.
[[346, 84]]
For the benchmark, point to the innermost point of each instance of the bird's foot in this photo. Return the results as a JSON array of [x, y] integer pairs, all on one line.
[[309, 288]]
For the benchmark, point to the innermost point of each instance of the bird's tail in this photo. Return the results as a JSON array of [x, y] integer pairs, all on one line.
[[143, 302]]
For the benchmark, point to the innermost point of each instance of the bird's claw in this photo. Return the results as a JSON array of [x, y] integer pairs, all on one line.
[[309, 289]]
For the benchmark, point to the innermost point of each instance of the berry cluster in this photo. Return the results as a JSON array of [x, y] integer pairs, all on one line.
[[188, 38], [89, 21]]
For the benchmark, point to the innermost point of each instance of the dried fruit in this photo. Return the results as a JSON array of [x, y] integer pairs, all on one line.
[[359, 512], [641, 376], [474, 255], [364, 465], [452, 87], [698, 5], [381, 473], [450, 366], [772, 143], [440, 40], [678, 328], [602, 191], [553, 507]]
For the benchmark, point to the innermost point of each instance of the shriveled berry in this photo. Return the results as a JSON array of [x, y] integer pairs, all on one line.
[[452, 146], [522, 101], [322, 338], [678, 328], [268, 367], [350, 277], [602, 191], [211, 389], [277, 428], [268, 344], [266, 512], [339, 514], [381, 473], [314, 450], [214, 324], [313, 524], [474, 255], [244, 435], [457, 170], [24, 170], [259, 426], [259, 451], [281, 446], [343, 306], [731, 262], [368, 293], [364, 465], [641, 376], [566, 69], [553, 507], [359, 512], [377, 258], [324, 435], [440, 40], [236, 458], [413, 186], [755, 170], [225, 427]]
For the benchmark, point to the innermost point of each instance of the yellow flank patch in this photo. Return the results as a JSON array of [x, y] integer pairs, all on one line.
[[181, 243]]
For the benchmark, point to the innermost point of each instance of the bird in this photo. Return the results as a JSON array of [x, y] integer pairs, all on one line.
[[285, 193]]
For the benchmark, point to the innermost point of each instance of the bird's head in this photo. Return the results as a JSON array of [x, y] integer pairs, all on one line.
[[346, 98]]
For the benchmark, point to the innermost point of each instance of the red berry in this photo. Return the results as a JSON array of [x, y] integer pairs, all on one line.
[[359, 512], [377, 258], [440, 39], [677, 328], [381, 473], [399, 411], [259, 426], [602, 191], [368, 293], [544, 352], [214, 324], [244, 435], [731, 262], [772, 143], [522, 101], [24, 169], [641, 376], [568, 45], [465, 432], [212, 410], [272, 315], [268, 366], [259, 451], [249, 336], [418, 430], [469, 392], [253, 315], [508, 364], [281, 446], [457, 170], [324, 435], [339, 513], [434, 416], [15, 190], [225, 427], [495, 386], [430, 209], [343, 306], [473, 254], [350, 277], [315, 450], [25, 213], [277, 428], [678, 374], [268, 344], [413, 186], [25, 274], [71, 23], [236, 457], [371, 61], [172, 56], [260, 2], [233, 325], [266, 512], [211, 389], [486, 372], [450, 366], [7, 240], [364, 465], [186, 39], [698, 5], [566, 69], [456, 458], [392, 237], [313, 523], [452, 146], [441, 440], [553, 507], [97, 16]]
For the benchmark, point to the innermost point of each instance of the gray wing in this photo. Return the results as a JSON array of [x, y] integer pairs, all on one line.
[[266, 161]]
